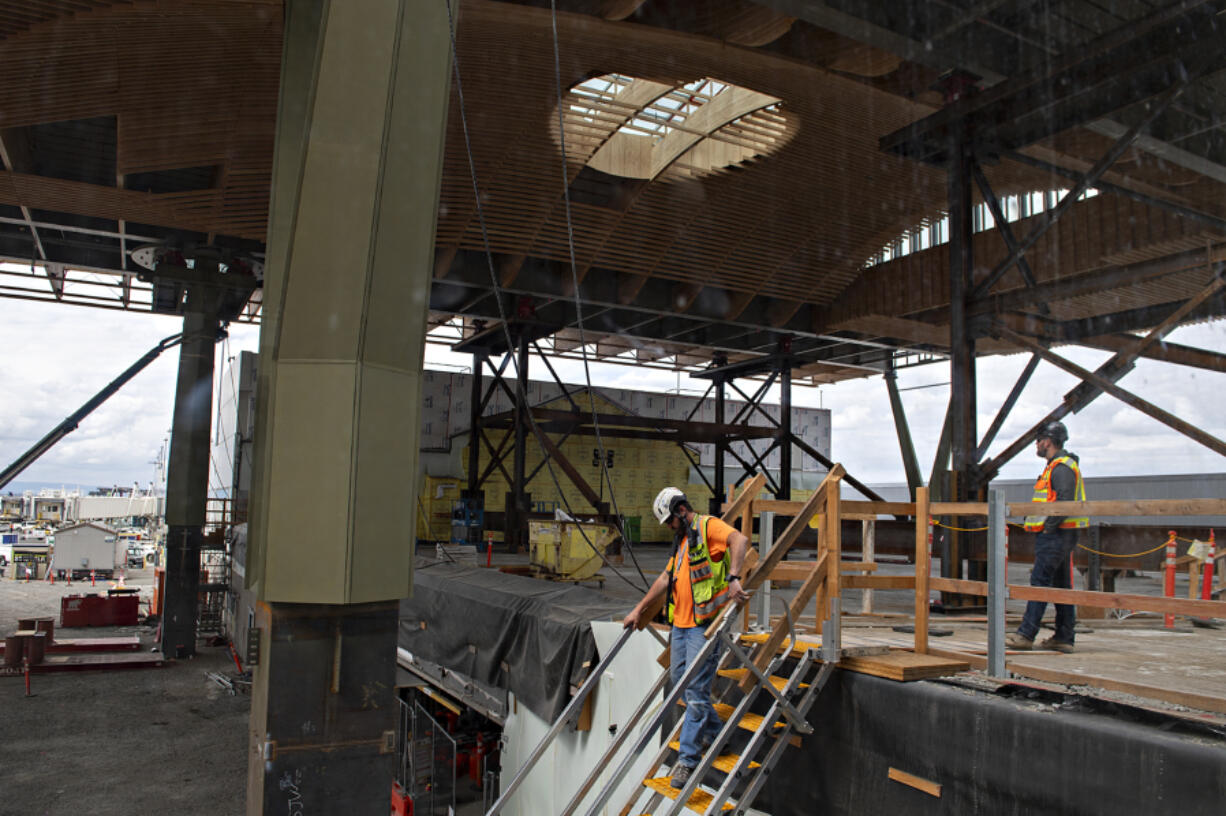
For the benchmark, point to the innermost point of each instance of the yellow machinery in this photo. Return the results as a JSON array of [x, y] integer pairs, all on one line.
[[559, 550]]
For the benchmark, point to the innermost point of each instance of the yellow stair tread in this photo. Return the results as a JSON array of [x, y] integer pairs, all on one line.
[[750, 722], [699, 801], [776, 681], [799, 648], [725, 762]]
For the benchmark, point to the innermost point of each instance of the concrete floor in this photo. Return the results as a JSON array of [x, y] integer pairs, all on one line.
[[139, 741]]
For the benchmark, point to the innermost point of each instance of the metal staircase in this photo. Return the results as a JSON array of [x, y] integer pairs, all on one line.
[[727, 779]]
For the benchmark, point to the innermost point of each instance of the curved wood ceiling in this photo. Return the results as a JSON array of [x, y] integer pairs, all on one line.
[[775, 244]]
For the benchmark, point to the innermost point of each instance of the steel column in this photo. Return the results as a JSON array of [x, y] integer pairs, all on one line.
[[474, 427], [516, 526], [997, 575], [187, 475], [963, 432], [785, 434]]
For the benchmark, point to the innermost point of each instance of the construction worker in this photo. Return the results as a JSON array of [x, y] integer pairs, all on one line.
[[1053, 546], [701, 577]]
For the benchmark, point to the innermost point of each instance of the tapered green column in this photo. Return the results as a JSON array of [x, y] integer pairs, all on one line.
[[360, 127]]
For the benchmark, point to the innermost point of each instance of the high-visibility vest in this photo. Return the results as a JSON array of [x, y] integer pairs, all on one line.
[[1044, 492], [708, 578]]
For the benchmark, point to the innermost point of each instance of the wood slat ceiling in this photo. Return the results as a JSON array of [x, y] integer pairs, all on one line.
[[191, 89]]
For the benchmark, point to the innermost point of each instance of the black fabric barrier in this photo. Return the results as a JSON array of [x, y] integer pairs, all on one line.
[[991, 754], [523, 635]]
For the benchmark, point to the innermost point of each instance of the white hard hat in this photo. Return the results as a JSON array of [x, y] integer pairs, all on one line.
[[665, 501]]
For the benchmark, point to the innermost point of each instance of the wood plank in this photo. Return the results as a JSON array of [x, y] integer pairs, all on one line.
[[799, 570], [958, 508], [959, 585], [1191, 699], [1132, 507], [922, 513], [875, 508], [879, 581], [1116, 600], [919, 783], [904, 666]]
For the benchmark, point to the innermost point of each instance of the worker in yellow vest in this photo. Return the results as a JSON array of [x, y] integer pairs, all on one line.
[[1057, 536], [702, 576]]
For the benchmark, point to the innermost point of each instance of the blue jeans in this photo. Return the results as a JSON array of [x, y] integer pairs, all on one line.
[[701, 723], [1051, 569]]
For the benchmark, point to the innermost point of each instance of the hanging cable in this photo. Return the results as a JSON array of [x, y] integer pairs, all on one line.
[[605, 476], [502, 311]]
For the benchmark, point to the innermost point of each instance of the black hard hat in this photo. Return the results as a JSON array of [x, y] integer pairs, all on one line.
[[1055, 431]]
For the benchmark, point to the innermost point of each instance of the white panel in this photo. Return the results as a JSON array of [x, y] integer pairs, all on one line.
[[573, 754]]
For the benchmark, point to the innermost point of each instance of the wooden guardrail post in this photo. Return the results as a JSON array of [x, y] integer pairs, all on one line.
[[921, 570], [997, 582]]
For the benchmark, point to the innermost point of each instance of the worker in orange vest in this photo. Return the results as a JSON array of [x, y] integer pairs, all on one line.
[[1057, 536]]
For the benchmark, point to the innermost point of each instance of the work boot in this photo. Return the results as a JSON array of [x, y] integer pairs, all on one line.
[[1015, 640], [1058, 645], [681, 775]]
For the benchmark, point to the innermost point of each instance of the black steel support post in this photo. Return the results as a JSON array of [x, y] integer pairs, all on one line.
[[785, 433], [518, 500], [909, 461], [474, 427], [721, 451], [963, 431], [187, 473]]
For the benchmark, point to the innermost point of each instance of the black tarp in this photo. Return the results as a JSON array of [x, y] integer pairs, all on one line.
[[526, 636]]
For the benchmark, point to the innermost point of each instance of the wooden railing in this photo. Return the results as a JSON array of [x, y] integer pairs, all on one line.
[[825, 584]]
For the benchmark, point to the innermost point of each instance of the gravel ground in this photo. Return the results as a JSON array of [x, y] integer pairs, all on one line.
[[132, 742]]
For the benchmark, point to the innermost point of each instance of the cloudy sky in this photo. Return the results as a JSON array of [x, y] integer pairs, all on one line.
[[56, 357]]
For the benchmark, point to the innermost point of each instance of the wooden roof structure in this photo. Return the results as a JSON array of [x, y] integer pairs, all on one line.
[[723, 177]]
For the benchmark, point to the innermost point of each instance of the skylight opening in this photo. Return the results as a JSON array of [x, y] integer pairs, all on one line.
[[638, 128]]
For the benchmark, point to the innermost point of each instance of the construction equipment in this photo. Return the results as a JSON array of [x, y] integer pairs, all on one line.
[[776, 666], [569, 550]]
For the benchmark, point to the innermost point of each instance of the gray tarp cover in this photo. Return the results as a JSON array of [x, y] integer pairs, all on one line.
[[527, 636]]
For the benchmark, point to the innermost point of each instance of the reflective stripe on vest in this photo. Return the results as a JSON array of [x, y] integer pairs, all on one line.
[[708, 578], [1044, 492]]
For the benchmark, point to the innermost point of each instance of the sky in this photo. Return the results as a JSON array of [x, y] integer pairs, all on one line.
[[55, 357]]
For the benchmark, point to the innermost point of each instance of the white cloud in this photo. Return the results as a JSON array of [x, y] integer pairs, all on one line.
[[55, 357]]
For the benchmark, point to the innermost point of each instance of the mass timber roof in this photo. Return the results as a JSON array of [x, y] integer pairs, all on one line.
[[136, 122]]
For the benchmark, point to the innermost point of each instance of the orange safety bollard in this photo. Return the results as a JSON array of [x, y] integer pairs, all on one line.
[[1206, 587], [489, 550], [1169, 589], [92, 579]]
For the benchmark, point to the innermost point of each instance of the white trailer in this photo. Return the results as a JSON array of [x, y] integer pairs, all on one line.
[[84, 548]]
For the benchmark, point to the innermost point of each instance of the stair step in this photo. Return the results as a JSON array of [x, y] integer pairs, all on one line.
[[698, 802], [725, 762], [776, 681], [750, 722]]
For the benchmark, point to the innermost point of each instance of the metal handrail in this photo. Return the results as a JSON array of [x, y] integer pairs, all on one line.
[[670, 700], [571, 709]]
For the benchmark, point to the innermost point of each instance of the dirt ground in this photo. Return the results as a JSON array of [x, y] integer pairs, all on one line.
[[131, 742]]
